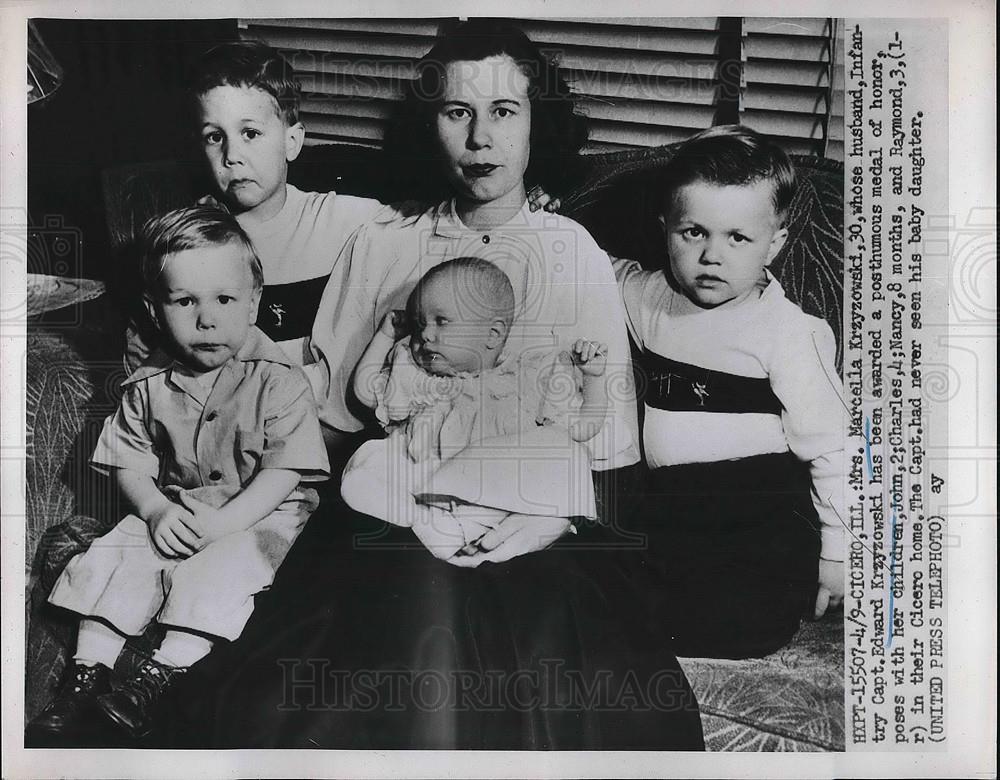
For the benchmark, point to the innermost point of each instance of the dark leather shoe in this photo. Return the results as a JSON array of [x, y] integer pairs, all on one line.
[[131, 706], [75, 705]]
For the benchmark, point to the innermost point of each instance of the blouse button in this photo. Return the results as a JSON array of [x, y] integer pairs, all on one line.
[[215, 476], [486, 239], [211, 416]]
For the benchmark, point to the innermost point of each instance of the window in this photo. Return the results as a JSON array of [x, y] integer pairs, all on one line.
[[642, 81]]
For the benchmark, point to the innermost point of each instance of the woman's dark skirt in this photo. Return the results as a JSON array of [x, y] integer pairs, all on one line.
[[731, 553], [366, 641]]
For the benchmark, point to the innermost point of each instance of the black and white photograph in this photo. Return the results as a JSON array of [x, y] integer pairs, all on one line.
[[578, 386]]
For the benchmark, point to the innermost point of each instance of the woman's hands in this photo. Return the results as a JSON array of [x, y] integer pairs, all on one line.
[[515, 535], [390, 330], [538, 198], [394, 324]]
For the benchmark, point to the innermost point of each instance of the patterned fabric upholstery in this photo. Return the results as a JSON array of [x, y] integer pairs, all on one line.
[[792, 700]]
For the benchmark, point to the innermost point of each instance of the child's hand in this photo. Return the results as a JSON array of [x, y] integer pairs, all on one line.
[[591, 357], [173, 531], [538, 198], [831, 587], [394, 324], [204, 518]]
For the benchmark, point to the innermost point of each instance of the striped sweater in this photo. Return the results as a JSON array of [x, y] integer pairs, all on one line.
[[745, 379]]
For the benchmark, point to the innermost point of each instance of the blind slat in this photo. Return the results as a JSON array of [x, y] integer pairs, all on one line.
[[778, 98], [631, 86], [784, 124], [357, 86], [787, 48], [582, 59], [422, 27], [367, 108], [667, 41], [341, 43], [799, 74], [344, 127], [635, 135], [787, 26], [672, 22], [662, 114], [322, 66]]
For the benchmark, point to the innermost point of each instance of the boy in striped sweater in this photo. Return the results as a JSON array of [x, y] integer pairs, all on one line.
[[742, 429]]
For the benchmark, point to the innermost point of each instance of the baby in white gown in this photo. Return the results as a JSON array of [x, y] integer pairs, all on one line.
[[473, 434]]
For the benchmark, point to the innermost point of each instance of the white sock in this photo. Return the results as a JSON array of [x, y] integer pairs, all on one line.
[[181, 648], [98, 643]]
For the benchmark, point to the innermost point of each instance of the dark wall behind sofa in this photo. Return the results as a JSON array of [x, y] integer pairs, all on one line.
[[119, 103]]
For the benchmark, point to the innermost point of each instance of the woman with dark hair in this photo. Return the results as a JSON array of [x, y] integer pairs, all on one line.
[[557, 134], [366, 639], [480, 96]]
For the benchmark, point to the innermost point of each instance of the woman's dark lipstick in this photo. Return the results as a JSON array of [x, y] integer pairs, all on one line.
[[479, 169]]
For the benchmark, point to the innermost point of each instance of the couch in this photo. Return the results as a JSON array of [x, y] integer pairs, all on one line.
[[792, 700]]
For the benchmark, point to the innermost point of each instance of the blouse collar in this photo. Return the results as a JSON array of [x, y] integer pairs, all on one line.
[[447, 223]]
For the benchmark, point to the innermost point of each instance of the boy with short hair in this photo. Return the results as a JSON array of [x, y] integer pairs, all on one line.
[[211, 445], [246, 111], [740, 392], [247, 103]]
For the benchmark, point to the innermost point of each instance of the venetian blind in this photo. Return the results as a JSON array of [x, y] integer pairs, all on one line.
[[642, 81], [788, 82]]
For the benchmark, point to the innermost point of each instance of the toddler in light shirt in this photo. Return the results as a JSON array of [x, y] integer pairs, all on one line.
[[213, 446]]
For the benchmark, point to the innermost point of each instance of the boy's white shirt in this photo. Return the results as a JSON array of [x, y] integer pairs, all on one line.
[[303, 241]]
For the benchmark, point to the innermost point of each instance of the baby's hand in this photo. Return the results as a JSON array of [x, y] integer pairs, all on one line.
[[394, 324], [173, 531], [831, 587], [591, 357]]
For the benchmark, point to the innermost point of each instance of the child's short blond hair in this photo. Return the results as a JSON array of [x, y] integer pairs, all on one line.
[[729, 155], [192, 227]]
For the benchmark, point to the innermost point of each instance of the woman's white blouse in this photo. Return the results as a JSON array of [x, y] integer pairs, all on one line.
[[564, 289]]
